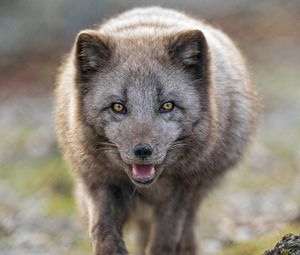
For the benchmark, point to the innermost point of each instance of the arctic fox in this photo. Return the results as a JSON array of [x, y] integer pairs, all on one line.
[[152, 108]]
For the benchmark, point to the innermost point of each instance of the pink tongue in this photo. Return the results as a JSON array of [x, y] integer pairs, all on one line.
[[141, 171]]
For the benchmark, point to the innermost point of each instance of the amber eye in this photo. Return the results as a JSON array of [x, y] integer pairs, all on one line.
[[118, 108], [167, 106]]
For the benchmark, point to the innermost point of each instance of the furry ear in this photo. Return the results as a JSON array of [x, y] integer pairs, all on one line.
[[189, 48], [93, 52]]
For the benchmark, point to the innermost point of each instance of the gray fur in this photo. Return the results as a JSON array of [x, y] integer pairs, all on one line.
[[144, 65]]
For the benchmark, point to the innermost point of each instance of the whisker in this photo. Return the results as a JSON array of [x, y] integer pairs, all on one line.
[[183, 143], [111, 144], [102, 150]]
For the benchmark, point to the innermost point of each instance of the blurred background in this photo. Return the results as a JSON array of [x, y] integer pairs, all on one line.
[[252, 208]]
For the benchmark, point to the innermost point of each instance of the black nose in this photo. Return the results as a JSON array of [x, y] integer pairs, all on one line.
[[143, 150]]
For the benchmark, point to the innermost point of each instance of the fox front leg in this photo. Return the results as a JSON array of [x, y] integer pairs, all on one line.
[[169, 219], [188, 244], [107, 213]]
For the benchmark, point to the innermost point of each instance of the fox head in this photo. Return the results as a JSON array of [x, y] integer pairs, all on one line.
[[145, 99]]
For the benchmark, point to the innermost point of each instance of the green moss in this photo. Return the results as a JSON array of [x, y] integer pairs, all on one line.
[[7, 240], [285, 252], [48, 177], [81, 247], [260, 244], [60, 204], [31, 176]]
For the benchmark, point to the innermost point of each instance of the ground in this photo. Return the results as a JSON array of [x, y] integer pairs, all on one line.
[[252, 208]]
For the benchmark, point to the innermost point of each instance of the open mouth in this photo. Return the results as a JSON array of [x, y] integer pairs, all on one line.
[[143, 173]]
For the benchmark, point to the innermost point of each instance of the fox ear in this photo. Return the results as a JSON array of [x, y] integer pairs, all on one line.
[[93, 52], [189, 48]]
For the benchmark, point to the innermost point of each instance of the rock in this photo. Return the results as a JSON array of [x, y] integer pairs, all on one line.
[[289, 245]]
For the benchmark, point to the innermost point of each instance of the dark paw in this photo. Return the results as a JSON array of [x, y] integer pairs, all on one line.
[[110, 249]]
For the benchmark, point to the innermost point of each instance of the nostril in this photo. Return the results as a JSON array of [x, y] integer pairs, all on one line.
[[143, 150]]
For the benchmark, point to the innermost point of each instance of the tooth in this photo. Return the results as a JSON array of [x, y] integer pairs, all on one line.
[[134, 171], [152, 171]]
